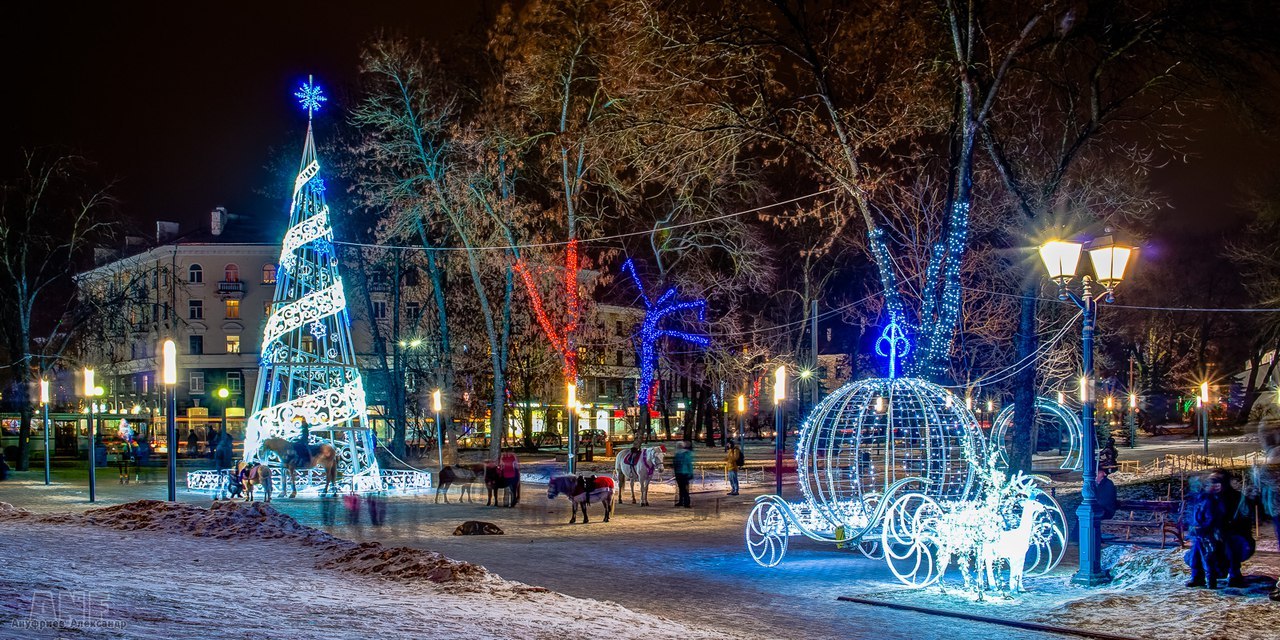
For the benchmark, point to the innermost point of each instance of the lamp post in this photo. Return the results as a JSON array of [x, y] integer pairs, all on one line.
[[1109, 261], [435, 407], [91, 393], [742, 415], [169, 378], [779, 395], [571, 408], [1133, 420], [1202, 401], [222, 395], [44, 404]]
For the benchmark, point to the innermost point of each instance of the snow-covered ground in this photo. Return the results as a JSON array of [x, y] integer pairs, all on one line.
[[1146, 599], [151, 569]]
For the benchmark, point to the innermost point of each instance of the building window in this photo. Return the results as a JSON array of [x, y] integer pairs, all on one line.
[[195, 309], [195, 274], [146, 382], [308, 344], [380, 309], [231, 273], [413, 311], [233, 344], [268, 273], [197, 382], [195, 345], [233, 309], [266, 309], [234, 382]]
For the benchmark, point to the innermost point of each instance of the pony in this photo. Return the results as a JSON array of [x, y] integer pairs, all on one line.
[[464, 476], [256, 474], [494, 480], [642, 468], [582, 491], [323, 455]]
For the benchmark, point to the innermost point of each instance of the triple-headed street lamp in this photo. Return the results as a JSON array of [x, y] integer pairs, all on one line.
[[1109, 261]]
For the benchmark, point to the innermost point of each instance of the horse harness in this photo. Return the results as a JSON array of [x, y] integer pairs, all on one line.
[[633, 459]]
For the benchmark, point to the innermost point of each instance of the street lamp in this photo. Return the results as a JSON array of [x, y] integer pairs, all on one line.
[[1203, 402], [779, 396], [742, 415], [91, 393], [435, 407], [571, 408], [169, 378], [1061, 258], [44, 403], [222, 395]]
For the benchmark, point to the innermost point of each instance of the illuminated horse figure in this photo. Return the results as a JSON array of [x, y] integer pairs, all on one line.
[[640, 466], [581, 491]]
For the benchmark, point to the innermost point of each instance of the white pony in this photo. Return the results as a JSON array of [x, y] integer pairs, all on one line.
[[642, 468]]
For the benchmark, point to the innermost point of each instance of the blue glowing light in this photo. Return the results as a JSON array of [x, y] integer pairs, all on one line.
[[656, 311], [310, 96], [893, 344]]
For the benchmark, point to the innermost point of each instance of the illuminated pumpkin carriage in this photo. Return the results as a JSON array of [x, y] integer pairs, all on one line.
[[899, 469]]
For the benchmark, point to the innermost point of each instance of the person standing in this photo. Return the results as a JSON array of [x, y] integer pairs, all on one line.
[[1105, 495], [509, 469], [684, 473], [142, 461], [222, 453], [733, 460]]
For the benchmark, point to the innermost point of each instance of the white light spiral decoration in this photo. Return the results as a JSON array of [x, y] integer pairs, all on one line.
[[308, 366]]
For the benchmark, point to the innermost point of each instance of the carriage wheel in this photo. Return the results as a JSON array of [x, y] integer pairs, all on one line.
[[767, 534], [908, 542], [871, 548], [1048, 538]]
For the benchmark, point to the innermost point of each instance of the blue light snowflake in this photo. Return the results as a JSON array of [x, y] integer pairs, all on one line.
[[317, 184], [323, 247], [310, 96], [318, 330]]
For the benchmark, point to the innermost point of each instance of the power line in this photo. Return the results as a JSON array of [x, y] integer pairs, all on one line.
[[1131, 306], [596, 240]]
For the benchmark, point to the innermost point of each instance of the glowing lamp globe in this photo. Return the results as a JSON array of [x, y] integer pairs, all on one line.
[[872, 433]]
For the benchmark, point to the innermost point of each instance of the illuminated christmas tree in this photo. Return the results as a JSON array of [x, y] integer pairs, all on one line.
[[308, 366]]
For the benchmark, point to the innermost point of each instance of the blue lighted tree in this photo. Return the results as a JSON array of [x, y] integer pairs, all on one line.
[[658, 314]]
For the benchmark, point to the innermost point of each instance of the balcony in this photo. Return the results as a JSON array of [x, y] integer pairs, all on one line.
[[231, 289]]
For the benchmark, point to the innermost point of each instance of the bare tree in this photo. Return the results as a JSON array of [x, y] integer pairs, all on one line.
[[52, 216]]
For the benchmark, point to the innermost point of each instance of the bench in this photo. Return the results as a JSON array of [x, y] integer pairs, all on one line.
[[1164, 516]]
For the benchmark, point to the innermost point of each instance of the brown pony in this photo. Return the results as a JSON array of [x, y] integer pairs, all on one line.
[[322, 455], [256, 474]]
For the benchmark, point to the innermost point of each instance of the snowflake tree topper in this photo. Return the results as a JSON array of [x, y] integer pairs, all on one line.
[[310, 95]]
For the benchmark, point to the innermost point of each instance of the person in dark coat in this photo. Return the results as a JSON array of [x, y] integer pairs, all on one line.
[[222, 453], [1105, 495], [302, 443], [684, 473], [1218, 527]]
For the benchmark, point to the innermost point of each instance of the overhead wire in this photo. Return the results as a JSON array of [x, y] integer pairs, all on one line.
[[595, 240]]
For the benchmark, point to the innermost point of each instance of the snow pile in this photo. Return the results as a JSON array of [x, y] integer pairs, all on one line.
[[229, 520], [1132, 567], [402, 563]]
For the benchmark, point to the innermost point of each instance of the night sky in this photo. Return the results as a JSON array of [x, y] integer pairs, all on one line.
[[185, 102]]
